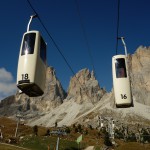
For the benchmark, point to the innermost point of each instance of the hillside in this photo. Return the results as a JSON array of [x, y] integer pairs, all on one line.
[[26, 137], [27, 140]]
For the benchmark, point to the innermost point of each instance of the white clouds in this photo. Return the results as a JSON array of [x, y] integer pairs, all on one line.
[[7, 85], [5, 76]]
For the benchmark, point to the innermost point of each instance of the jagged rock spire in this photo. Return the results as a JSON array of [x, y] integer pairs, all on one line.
[[84, 87]]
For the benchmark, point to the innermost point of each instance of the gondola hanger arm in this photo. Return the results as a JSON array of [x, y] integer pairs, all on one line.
[[124, 44], [31, 17]]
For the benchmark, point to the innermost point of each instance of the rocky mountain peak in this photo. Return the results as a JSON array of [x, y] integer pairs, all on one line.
[[53, 86], [84, 87], [140, 75], [50, 74], [54, 93], [140, 59]]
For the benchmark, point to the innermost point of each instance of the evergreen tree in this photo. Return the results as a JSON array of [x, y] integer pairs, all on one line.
[[47, 132], [55, 124], [146, 136], [67, 130], [79, 128], [35, 130], [107, 141]]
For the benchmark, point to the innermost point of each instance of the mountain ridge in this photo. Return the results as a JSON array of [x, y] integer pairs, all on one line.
[[85, 100]]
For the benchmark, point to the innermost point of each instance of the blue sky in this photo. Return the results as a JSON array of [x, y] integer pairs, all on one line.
[[62, 21]]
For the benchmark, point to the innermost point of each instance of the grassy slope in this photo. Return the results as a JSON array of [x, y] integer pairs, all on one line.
[[133, 146], [10, 147], [42, 143]]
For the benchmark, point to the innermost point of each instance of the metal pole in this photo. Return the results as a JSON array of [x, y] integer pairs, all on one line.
[[57, 146], [17, 127]]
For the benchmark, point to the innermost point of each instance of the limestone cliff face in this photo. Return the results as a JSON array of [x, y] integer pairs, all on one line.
[[140, 75], [53, 95], [84, 87]]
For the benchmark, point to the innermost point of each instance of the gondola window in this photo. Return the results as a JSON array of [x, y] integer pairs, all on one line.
[[43, 50], [28, 44], [120, 68]]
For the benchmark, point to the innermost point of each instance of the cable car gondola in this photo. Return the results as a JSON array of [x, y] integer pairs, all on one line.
[[31, 74], [121, 80]]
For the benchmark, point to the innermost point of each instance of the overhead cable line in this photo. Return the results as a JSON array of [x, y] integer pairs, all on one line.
[[85, 37], [86, 41], [118, 20], [55, 44]]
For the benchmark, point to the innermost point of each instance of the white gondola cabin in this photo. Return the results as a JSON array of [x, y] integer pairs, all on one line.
[[121, 81], [31, 74]]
